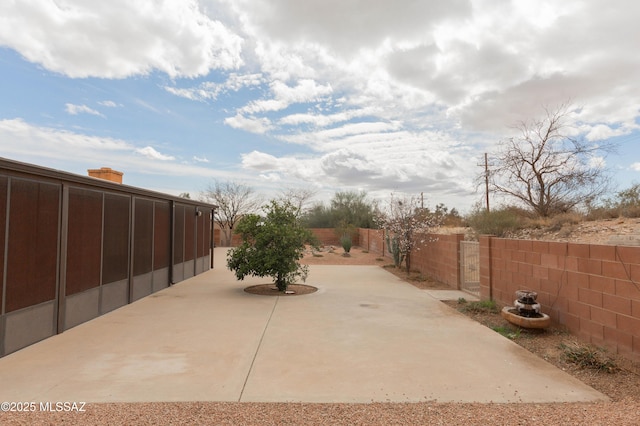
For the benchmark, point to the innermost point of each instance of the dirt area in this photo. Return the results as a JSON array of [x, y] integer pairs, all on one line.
[[613, 375], [333, 255], [620, 231], [272, 290]]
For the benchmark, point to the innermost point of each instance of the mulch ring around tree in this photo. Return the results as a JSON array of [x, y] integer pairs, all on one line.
[[272, 290]]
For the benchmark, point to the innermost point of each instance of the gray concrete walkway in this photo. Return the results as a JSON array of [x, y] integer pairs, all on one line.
[[364, 336]]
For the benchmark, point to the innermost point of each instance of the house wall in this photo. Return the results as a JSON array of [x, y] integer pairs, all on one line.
[[73, 248]]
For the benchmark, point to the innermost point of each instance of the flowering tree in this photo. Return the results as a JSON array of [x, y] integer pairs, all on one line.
[[408, 225]]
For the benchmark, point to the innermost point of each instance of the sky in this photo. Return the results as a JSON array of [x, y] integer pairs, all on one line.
[[388, 96]]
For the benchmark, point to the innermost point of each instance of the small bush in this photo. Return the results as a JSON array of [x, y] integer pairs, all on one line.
[[496, 222], [557, 222], [600, 213], [508, 332], [483, 306], [586, 356], [461, 300], [345, 242], [626, 203]]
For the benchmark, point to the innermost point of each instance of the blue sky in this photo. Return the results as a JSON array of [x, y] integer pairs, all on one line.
[[388, 96]]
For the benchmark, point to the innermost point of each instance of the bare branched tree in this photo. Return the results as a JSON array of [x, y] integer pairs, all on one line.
[[234, 200], [299, 198], [548, 170]]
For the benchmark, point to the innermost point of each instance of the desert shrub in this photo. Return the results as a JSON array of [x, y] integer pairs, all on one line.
[[586, 356], [558, 221], [629, 201], [625, 203], [483, 306], [510, 333], [601, 213], [345, 242], [496, 222], [536, 223]]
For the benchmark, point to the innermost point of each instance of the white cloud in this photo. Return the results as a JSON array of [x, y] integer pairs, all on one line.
[[323, 120], [150, 152], [250, 124], [43, 145], [602, 132], [380, 95], [81, 109], [109, 104], [209, 91], [636, 167], [260, 161], [119, 38], [200, 159]]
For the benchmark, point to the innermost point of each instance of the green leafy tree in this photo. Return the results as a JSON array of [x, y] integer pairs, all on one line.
[[271, 245], [353, 208], [350, 207]]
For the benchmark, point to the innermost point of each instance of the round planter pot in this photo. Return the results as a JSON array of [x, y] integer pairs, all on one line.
[[510, 314]]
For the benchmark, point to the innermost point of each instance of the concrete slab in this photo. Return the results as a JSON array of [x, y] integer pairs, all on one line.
[[364, 336]]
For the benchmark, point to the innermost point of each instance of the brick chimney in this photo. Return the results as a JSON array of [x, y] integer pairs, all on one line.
[[106, 173]]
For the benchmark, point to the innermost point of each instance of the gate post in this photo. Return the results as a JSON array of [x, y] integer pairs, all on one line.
[[486, 290]]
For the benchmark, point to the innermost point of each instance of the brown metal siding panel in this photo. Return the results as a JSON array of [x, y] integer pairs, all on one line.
[[84, 240], [178, 234], [202, 235], [115, 254], [33, 243], [3, 224], [189, 233], [143, 237], [161, 236]]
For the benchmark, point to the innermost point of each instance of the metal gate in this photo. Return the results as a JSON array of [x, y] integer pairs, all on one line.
[[470, 267]]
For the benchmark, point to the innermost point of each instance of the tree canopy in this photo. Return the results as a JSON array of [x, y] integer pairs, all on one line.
[[407, 225], [347, 207], [271, 245], [546, 168], [234, 200]]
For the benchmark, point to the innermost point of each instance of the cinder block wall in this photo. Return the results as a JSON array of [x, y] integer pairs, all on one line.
[[593, 290], [218, 238], [372, 240], [438, 257], [328, 237]]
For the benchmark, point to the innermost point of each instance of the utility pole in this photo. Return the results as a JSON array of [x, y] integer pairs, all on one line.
[[486, 179]]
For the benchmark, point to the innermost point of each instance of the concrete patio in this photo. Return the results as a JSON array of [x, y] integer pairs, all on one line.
[[363, 336]]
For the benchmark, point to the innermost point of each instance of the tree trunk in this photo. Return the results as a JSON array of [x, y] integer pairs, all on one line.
[[281, 283], [407, 260]]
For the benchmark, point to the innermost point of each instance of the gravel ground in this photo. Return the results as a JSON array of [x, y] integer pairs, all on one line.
[[622, 387], [218, 413]]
